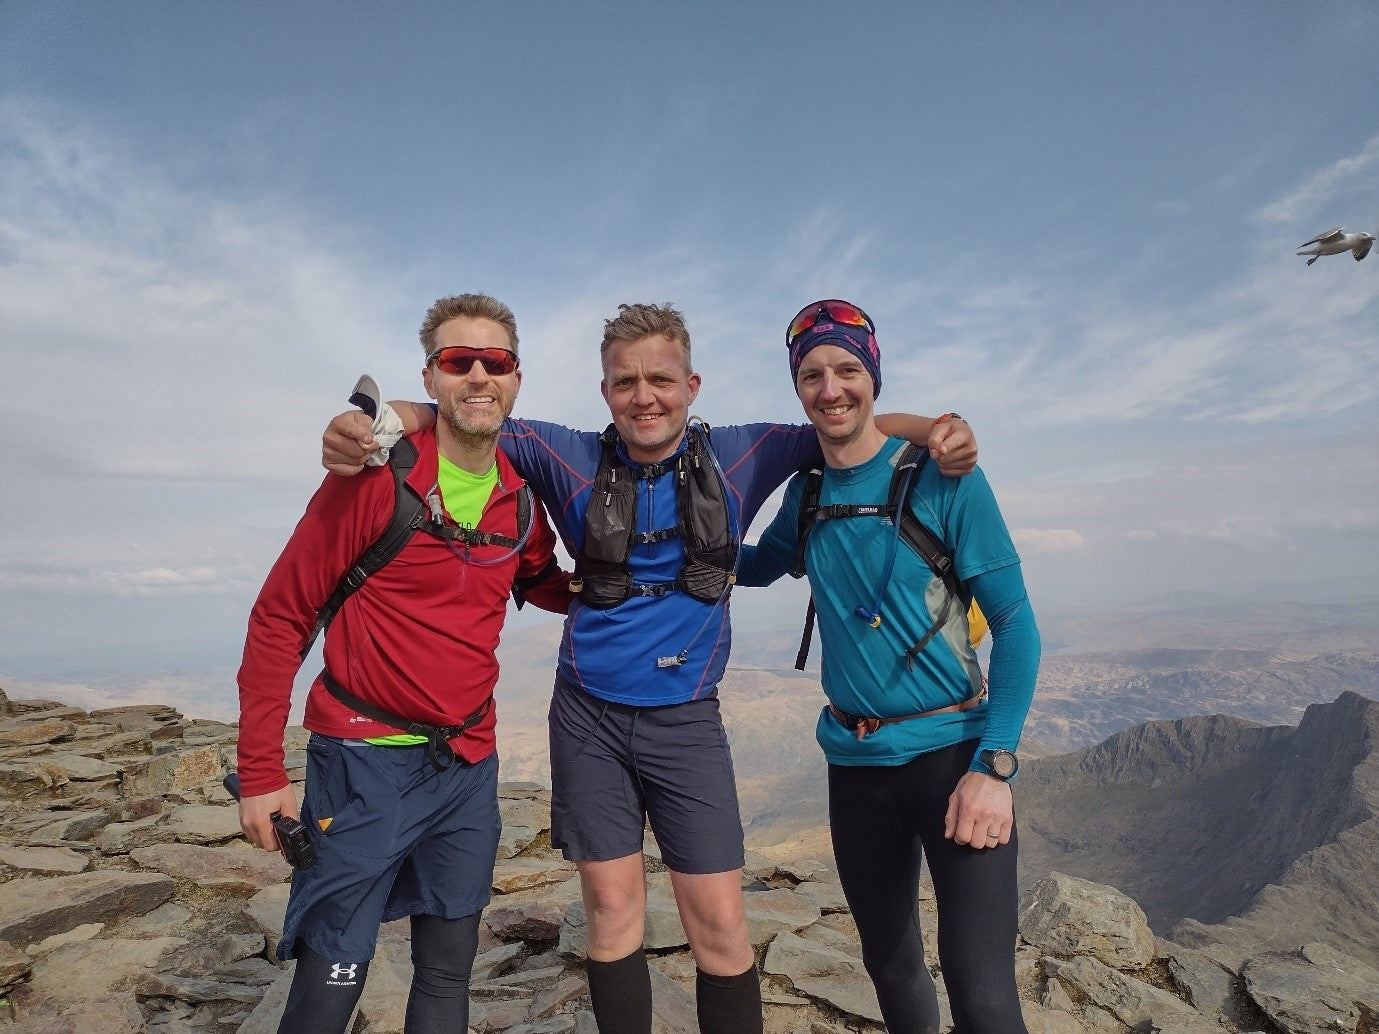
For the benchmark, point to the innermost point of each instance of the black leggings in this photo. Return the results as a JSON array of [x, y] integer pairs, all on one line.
[[324, 993], [885, 821]]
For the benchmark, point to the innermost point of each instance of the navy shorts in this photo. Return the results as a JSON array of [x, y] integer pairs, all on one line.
[[399, 839], [614, 766]]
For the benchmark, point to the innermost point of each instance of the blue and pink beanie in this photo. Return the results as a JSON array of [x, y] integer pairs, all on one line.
[[860, 341]]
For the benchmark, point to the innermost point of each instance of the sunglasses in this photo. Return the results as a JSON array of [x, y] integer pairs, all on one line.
[[457, 360], [830, 310]]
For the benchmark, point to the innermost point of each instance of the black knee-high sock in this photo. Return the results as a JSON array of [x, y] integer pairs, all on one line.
[[323, 994], [728, 1005], [621, 994], [442, 958]]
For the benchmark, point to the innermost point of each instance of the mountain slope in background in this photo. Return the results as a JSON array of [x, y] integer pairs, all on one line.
[[1209, 818]]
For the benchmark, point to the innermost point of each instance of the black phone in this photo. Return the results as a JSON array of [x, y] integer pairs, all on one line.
[[292, 836]]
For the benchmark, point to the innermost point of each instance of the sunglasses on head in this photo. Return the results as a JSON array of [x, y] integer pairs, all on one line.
[[830, 310], [457, 360]]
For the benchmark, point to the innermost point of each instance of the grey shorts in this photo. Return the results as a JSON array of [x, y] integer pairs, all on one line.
[[613, 767]]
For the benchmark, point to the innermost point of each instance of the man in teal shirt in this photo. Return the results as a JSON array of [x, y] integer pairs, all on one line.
[[920, 754]]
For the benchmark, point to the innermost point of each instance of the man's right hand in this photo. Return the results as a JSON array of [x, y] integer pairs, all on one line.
[[255, 812], [348, 441]]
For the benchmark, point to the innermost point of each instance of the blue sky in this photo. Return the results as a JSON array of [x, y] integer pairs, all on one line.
[[1074, 223]]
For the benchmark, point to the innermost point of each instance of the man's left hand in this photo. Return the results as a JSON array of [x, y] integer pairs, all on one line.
[[954, 446], [981, 812]]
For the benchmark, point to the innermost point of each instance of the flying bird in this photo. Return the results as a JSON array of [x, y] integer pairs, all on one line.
[[1333, 242]]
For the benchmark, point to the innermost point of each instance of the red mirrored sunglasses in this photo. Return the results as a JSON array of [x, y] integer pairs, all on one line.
[[457, 360], [830, 310]]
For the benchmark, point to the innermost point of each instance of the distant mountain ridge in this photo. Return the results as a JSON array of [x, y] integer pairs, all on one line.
[[1213, 817], [1083, 698]]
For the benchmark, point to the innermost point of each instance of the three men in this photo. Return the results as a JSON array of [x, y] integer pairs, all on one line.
[[654, 510], [919, 750], [401, 791]]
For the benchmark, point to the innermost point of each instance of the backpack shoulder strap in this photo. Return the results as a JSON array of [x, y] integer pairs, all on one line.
[[923, 541], [520, 585], [523, 512], [809, 511], [409, 513]]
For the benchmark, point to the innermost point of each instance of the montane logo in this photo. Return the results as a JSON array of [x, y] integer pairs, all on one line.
[[342, 974]]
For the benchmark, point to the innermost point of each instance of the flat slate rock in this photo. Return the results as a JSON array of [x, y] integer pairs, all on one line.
[[825, 973], [46, 861], [22, 733], [1130, 1000], [94, 968], [32, 909], [236, 871], [1315, 988]]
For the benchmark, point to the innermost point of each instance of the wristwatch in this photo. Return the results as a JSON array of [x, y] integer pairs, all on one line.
[[1003, 764]]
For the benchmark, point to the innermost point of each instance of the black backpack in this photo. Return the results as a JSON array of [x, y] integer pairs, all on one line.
[[923, 541]]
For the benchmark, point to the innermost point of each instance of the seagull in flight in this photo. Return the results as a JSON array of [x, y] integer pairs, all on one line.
[[1333, 242]]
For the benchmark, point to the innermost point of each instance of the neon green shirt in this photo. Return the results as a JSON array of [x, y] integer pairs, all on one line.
[[463, 496]]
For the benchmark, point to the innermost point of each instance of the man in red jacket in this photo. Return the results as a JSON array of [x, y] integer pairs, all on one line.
[[401, 791]]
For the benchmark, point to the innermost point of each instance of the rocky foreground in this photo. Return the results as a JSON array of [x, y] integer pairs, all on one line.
[[132, 903]]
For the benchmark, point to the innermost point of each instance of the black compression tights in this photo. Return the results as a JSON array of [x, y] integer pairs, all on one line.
[[442, 959], [324, 993], [885, 820]]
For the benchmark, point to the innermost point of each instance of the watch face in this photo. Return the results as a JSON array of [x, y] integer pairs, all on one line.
[[1002, 763]]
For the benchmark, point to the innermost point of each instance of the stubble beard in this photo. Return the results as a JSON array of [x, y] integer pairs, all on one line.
[[665, 443], [467, 434]]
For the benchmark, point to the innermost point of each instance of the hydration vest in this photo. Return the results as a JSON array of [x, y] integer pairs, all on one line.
[[602, 577], [959, 619]]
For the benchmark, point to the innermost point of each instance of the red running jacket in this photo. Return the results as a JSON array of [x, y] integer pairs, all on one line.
[[418, 639]]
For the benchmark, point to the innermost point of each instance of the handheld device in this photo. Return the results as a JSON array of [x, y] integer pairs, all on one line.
[[292, 836]]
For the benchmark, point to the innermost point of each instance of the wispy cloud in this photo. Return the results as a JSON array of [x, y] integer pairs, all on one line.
[[1324, 185], [170, 317], [1047, 540]]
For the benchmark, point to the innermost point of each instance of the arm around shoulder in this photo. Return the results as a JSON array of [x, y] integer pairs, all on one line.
[[949, 438], [348, 440]]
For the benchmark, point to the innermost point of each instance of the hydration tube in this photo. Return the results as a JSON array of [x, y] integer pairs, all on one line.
[[678, 659], [872, 615], [437, 508]]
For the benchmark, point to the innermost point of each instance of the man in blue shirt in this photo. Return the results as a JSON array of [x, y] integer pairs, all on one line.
[[920, 754]]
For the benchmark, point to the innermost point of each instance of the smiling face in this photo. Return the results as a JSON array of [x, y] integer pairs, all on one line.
[[474, 404], [836, 392], [649, 391]]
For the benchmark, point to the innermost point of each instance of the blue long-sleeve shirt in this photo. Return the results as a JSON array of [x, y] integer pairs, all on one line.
[[865, 670]]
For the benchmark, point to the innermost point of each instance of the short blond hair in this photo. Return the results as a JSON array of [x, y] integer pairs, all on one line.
[[475, 306], [634, 322]]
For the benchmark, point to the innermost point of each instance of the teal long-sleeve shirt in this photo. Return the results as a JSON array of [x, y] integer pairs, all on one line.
[[865, 670]]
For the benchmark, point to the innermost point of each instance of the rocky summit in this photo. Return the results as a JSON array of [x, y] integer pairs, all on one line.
[[132, 903]]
